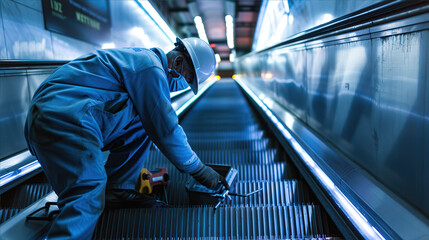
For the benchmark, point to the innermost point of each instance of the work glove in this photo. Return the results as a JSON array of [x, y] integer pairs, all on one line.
[[209, 178]]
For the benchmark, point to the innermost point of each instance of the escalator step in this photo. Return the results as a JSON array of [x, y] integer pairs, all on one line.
[[255, 145], [216, 121], [225, 128], [246, 172], [227, 157], [25, 195], [7, 213], [231, 135], [267, 222], [274, 193]]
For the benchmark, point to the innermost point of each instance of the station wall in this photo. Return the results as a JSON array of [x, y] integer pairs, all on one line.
[[23, 34]]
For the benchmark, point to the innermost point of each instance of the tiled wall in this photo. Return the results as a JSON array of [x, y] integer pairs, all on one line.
[[23, 34]]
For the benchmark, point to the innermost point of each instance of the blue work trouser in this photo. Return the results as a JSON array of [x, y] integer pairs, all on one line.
[[71, 157]]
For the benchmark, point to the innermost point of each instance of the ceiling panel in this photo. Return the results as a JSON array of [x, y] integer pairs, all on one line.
[[179, 15]]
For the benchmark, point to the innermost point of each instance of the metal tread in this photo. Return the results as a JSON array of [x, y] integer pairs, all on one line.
[[7, 213], [274, 193], [243, 222], [222, 128], [246, 172], [227, 144], [231, 135], [229, 157], [22, 197], [25, 195]]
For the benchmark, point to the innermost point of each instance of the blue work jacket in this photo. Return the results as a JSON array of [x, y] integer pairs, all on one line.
[[113, 86]]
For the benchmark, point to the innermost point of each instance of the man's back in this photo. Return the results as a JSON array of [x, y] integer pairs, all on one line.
[[96, 84]]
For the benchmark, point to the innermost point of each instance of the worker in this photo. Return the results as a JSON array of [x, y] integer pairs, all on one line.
[[116, 100]]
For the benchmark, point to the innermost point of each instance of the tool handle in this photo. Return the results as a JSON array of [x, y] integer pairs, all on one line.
[[244, 195]]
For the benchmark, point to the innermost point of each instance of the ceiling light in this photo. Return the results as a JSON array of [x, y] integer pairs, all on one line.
[[217, 56], [229, 31], [200, 28], [108, 45], [148, 8], [231, 57], [325, 18], [286, 6]]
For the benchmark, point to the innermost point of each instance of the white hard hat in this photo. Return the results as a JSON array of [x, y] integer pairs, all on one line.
[[203, 59]]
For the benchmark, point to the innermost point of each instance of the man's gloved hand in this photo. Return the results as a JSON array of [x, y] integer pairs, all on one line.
[[209, 178]]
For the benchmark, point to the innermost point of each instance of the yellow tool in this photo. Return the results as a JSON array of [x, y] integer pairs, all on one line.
[[150, 179]]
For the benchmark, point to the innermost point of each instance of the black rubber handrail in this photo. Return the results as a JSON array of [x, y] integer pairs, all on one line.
[[371, 15], [31, 63]]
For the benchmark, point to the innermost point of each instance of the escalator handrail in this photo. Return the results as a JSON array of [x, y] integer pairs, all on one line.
[[30, 63]]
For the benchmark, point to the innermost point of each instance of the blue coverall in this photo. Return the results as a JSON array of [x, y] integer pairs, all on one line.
[[117, 100]]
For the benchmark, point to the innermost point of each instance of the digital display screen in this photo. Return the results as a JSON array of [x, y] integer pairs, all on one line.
[[87, 20]]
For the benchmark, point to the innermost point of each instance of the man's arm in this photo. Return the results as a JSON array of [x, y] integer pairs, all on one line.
[[150, 94], [151, 97]]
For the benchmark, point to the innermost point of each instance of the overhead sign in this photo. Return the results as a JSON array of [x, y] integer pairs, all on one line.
[[88, 20]]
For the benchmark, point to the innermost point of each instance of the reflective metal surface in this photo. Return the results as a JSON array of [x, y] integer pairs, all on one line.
[[14, 101], [363, 93], [36, 77], [17, 86], [2, 42], [369, 206], [279, 20]]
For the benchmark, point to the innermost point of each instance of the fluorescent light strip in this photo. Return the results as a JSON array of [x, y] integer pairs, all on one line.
[[210, 82], [175, 94], [231, 57], [217, 56], [359, 221], [151, 11], [229, 31], [108, 45], [20, 172], [200, 28]]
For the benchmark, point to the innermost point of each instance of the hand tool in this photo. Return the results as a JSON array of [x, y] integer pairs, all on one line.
[[150, 179], [228, 194]]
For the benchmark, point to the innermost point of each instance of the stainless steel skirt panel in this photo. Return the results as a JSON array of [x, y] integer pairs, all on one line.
[[363, 92]]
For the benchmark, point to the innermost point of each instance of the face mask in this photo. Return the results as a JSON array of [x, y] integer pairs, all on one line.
[[177, 83]]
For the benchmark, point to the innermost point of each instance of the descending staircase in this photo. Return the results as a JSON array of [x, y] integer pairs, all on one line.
[[222, 128]]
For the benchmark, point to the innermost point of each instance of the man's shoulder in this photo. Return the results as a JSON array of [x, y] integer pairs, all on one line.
[[137, 59]]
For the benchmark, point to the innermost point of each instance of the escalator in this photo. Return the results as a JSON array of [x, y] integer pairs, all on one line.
[[222, 128]]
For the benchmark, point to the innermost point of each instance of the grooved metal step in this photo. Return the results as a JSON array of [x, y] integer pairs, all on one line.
[[7, 213], [222, 129], [24, 195], [255, 145], [274, 193], [246, 172], [231, 135], [242, 222], [228, 157]]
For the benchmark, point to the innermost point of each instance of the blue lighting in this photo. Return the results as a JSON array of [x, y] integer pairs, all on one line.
[[20, 172]]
